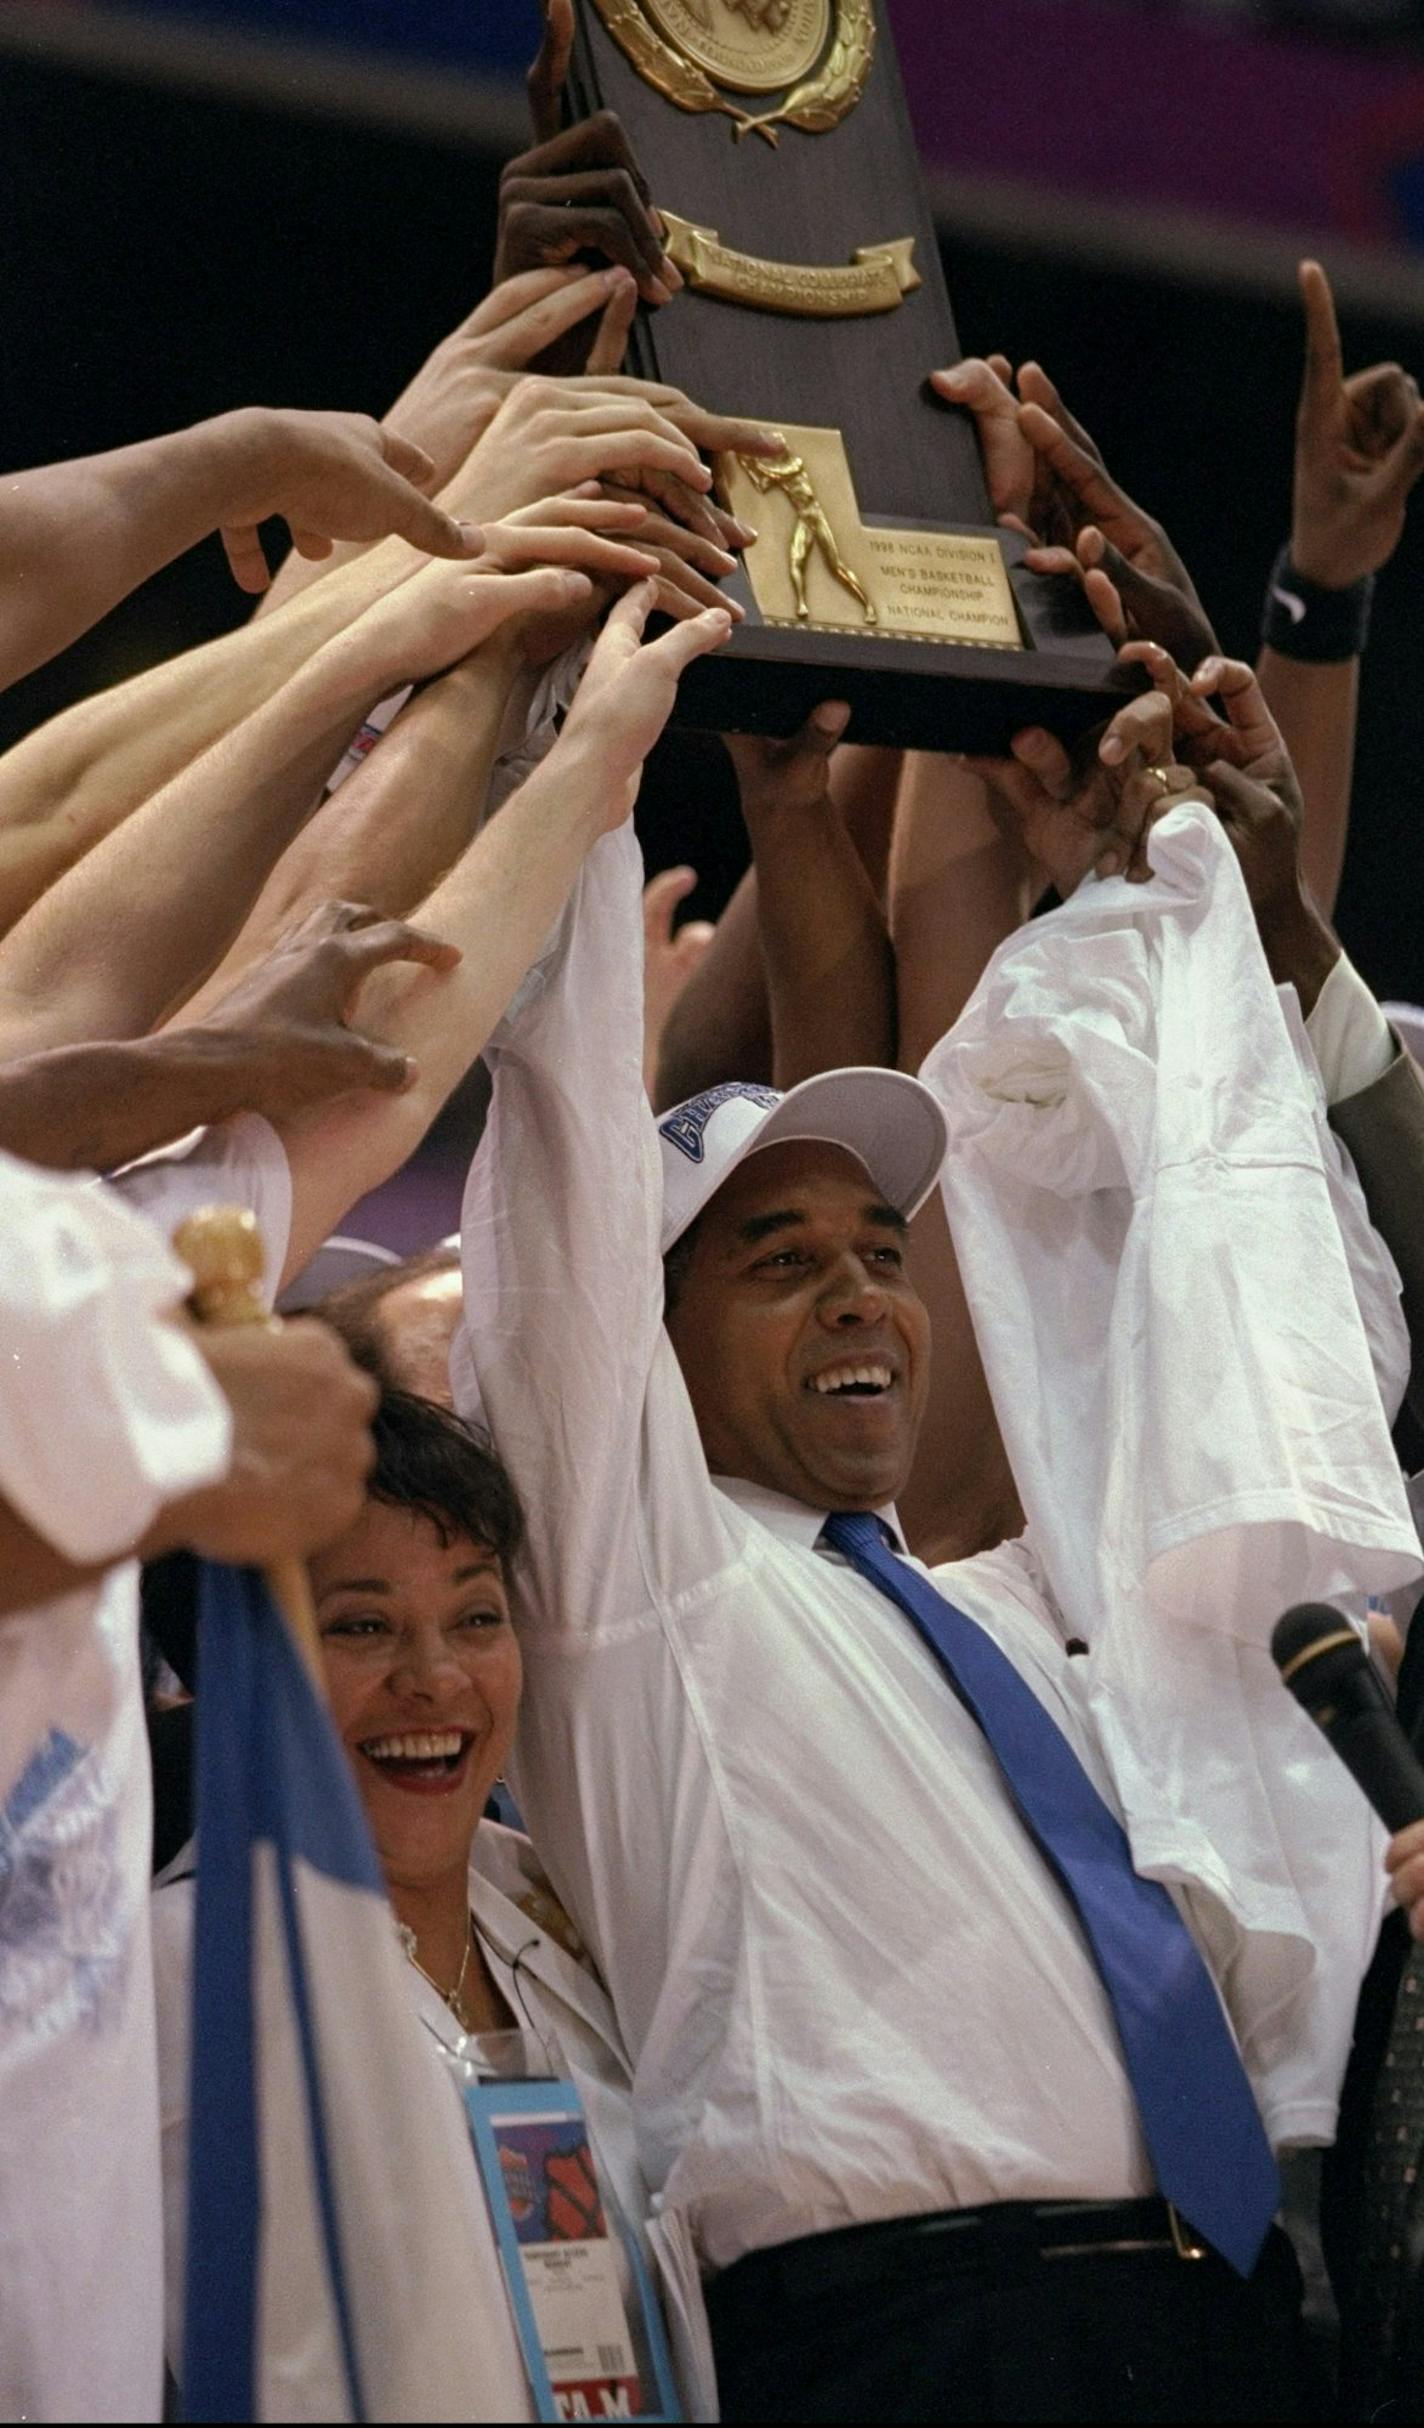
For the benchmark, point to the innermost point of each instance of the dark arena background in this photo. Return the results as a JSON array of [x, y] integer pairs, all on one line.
[[289, 201]]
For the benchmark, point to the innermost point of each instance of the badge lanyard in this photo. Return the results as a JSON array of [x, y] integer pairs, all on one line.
[[584, 2358]]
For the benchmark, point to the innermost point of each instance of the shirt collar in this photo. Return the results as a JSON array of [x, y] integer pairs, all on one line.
[[791, 1521]]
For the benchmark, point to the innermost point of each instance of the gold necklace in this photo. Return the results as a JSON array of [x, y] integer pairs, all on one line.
[[454, 1998]]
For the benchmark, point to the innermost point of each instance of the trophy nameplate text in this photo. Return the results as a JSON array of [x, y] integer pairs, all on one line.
[[775, 138]]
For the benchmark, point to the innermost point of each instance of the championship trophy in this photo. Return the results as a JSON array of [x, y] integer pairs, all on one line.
[[775, 138]]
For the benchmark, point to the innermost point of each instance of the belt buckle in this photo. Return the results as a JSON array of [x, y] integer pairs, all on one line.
[[1186, 2242]]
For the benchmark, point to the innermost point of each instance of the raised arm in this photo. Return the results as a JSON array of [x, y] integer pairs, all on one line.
[[958, 887], [75, 538], [277, 1041], [498, 905], [455, 395], [974, 845], [824, 940], [1359, 451], [103, 758], [720, 1025], [406, 814], [169, 889]]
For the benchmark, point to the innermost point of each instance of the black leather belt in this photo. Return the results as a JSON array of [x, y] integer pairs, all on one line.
[[986, 2242]]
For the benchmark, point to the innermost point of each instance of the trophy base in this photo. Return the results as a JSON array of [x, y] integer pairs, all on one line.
[[910, 695], [935, 634]]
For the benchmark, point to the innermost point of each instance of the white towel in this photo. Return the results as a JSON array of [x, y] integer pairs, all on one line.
[[1193, 1337]]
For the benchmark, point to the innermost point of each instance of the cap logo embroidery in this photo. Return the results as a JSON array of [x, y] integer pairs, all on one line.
[[684, 1129]]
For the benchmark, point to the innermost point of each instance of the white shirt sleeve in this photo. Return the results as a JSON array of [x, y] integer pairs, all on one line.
[[562, 1350], [109, 1412], [1349, 1034], [241, 1163]]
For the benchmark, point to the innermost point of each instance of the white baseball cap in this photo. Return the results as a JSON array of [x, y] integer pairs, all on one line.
[[890, 1123]]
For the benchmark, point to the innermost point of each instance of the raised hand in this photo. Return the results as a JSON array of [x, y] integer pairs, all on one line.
[[671, 956], [457, 392], [330, 476], [688, 565], [616, 538], [281, 1032], [548, 74], [626, 698], [441, 614], [1359, 450], [605, 537], [714, 433], [1011, 466], [556, 434], [582, 191], [1244, 769], [1048, 480], [1247, 770], [1092, 811], [792, 774], [1132, 576]]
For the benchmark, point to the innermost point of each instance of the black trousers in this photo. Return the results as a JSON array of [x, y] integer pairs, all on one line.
[[900, 2322]]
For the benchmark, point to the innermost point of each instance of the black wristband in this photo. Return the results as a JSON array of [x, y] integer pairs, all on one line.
[[1321, 626]]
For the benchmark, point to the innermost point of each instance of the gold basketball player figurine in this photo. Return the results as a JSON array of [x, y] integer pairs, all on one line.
[[788, 473]]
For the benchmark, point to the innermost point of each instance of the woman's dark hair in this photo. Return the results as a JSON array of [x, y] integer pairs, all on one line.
[[430, 1461]]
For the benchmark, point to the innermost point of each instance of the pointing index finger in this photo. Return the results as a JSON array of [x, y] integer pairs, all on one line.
[[545, 81], [1077, 470], [1324, 362]]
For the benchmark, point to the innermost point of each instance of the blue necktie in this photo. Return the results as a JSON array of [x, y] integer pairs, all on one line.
[[1209, 2148]]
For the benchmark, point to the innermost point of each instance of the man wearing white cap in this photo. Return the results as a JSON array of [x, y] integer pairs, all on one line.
[[935, 2095]]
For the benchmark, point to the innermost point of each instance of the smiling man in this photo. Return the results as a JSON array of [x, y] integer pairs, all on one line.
[[804, 1348], [918, 2058]]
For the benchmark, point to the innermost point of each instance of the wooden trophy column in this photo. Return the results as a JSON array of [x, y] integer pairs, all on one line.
[[816, 302]]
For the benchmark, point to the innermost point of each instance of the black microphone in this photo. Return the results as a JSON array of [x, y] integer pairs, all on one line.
[[1325, 1665]]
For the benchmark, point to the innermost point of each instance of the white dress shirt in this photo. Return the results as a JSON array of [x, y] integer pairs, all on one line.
[[849, 1984], [106, 1413]]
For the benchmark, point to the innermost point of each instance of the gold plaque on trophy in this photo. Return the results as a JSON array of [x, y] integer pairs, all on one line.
[[817, 566]]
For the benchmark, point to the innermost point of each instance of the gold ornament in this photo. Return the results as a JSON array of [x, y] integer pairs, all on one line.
[[666, 59], [752, 46]]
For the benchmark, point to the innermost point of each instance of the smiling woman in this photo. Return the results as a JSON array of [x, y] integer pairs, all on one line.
[[423, 1677]]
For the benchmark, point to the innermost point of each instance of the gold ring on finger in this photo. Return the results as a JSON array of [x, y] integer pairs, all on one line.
[[1163, 778]]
